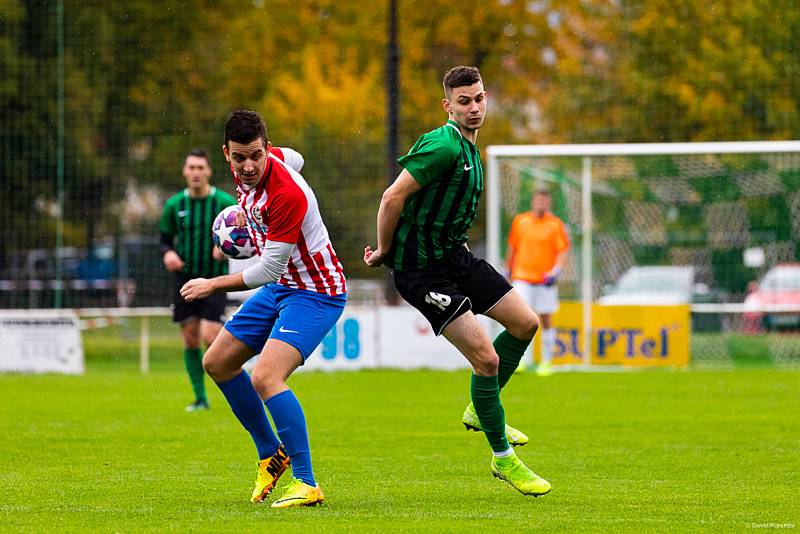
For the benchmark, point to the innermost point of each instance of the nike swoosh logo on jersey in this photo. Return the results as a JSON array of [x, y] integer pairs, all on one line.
[[182, 213], [468, 168], [285, 331]]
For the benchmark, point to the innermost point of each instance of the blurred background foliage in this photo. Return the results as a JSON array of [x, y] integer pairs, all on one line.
[[147, 81]]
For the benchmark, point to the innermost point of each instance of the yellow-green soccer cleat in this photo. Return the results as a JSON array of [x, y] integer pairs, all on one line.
[[471, 422], [269, 471], [298, 493], [512, 470]]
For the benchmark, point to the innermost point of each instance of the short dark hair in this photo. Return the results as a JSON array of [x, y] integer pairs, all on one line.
[[200, 153], [459, 77], [245, 126]]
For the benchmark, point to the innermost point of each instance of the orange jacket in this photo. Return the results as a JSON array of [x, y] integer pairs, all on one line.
[[536, 243]]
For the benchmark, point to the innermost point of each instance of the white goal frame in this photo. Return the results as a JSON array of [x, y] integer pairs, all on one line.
[[586, 151]]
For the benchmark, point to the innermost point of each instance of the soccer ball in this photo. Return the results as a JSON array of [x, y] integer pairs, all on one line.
[[234, 241]]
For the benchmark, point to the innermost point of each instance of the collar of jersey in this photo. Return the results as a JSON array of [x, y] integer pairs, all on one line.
[[546, 215], [454, 125], [210, 192]]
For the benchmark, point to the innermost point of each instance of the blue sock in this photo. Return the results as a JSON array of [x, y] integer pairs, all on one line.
[[291, 425], [247, 407]]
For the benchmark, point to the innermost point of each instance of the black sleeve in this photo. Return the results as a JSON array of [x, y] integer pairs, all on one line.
[[166, 243]]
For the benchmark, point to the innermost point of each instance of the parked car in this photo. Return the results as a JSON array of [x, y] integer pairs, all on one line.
[[657, 285], [779, 286], [665, 285]]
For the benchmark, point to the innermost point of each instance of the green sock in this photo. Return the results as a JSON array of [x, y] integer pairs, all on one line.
[[194, 367], [486, 400], [510, 350]]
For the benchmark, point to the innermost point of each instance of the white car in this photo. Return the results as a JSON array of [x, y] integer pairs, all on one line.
[[653, 286]]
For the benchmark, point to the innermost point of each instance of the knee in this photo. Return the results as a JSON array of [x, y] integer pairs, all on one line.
[[216, 367], [525, 327], [533, 325], [267, 384], [486, 361]]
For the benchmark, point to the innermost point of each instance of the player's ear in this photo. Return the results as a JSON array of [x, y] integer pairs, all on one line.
[[227, 154], [269, 146], [446, 105]]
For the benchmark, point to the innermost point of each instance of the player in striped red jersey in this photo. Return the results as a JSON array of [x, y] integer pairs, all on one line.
[[283, 192], [303, 295]]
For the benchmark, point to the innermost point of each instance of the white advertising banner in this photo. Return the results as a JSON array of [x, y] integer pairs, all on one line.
[[408, 342], [351, 344], [383, 336], [40, 341]]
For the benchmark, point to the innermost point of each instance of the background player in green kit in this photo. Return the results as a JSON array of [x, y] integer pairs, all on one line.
[[189, 252], [423, 221]]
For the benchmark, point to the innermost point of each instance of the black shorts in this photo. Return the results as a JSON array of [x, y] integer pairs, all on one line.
[[457, 283], [211, 308]]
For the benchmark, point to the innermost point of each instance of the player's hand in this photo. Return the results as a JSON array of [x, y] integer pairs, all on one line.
[[172, 261], [241, 219], [217, 254], [373, 258], [551, 277], [197, 288]]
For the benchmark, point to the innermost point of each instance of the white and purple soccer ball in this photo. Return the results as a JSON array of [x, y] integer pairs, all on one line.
[[233, 240]]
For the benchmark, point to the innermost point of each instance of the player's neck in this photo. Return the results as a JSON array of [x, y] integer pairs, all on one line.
[[200, 192], [469, 135]]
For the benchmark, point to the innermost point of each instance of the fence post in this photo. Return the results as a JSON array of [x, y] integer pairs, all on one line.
[[586, 264], [144, 345]]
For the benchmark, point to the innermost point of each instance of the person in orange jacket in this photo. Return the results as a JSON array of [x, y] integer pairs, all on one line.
[[537, 251]]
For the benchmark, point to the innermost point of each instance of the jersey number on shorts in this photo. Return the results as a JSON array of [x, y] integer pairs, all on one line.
[[438, 300]]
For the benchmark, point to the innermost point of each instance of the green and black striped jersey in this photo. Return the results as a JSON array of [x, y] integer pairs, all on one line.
[[189, 221], [435, 219]]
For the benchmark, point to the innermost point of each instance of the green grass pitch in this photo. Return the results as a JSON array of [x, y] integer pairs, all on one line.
[[113, 451]]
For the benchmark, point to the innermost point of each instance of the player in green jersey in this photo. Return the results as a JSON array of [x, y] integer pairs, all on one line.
[[189, 252], [423, 221]]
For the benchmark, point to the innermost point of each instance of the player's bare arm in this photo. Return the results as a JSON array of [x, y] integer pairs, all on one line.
[[392, 202], [267, 271], [561, 260], [551, 276], [200, 288]]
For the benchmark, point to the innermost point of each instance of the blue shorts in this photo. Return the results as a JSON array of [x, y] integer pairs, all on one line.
[[298, 317]]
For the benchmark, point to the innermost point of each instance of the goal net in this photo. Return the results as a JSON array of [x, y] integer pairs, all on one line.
[[728, 214]]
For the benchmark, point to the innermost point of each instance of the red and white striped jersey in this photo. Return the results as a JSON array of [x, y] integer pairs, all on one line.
[[282, 207]]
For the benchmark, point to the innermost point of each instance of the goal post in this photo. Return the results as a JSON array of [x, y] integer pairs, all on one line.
[[699, 204]]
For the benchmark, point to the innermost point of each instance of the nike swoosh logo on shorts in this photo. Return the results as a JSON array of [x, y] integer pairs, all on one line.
[[285, 331], [468, 168]]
